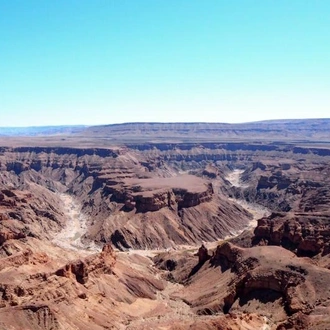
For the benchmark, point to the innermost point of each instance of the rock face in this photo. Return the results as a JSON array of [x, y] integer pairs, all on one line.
[[169, 203], [25, 213], [306, 234], [290, 292], [289, 185], [100, 289], [7, 235], [146, 195], [203, 255], [80, 269]]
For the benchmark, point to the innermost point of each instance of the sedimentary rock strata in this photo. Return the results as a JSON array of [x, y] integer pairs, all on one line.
[[288, 291], [165, 199]]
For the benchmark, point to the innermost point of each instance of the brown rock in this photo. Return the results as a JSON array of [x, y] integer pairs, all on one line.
[[78, 269], [306, 234], [7, 235], [203, 254]]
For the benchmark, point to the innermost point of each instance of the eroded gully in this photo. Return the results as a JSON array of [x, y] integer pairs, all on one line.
[[70, 237], [257, 211]]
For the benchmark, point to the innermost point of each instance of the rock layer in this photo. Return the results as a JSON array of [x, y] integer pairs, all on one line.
[[165, 195], [306, 234], [287, 290]]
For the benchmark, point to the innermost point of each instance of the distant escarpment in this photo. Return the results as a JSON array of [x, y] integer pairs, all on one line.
[[275, 130]]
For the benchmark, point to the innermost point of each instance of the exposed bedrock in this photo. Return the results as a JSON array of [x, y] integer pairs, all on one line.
[[267, 279], [166, 227], [306, 234], [80, 269], [285, 185], [144, 199], [127, 202], [101, 289], [159, 195], [34, 213], [162, 196]]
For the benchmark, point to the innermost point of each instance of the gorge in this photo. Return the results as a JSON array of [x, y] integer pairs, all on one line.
[[236, 232]]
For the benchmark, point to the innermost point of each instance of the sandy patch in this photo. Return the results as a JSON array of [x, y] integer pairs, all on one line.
[[76, 226]]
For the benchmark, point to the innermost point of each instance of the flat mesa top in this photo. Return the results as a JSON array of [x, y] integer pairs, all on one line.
[[187, 182]]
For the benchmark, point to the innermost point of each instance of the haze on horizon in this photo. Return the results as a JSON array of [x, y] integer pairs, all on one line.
[[103, 62]]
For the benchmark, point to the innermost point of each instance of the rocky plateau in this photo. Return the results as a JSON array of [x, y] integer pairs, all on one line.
[[158, 231]]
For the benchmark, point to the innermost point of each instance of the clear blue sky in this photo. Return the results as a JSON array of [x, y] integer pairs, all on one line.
[[112, 61]]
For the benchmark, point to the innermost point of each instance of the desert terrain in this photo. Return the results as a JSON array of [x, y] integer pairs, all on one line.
[[166, 226]]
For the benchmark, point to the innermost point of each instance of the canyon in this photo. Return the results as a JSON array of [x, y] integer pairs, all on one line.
[[168, 227]]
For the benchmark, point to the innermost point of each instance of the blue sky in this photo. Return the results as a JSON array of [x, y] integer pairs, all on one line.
[[102, 62]]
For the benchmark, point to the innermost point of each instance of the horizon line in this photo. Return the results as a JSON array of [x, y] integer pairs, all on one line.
[[163, 122]]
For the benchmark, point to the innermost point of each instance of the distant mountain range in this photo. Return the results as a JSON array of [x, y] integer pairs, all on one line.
[[277, 130]]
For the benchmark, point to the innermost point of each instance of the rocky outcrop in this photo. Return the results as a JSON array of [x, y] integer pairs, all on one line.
[[150, 195], [34, 316], [271, 280], [35, 213], [81, 269], [25, 257], [294, 186], [77, 269], [187, 199], [7, 235], [150, 201], [102, 287], [306, 234], [211, 171], [277, 179], [176, 264], [203, 255], [207, 221], [162, 212]]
